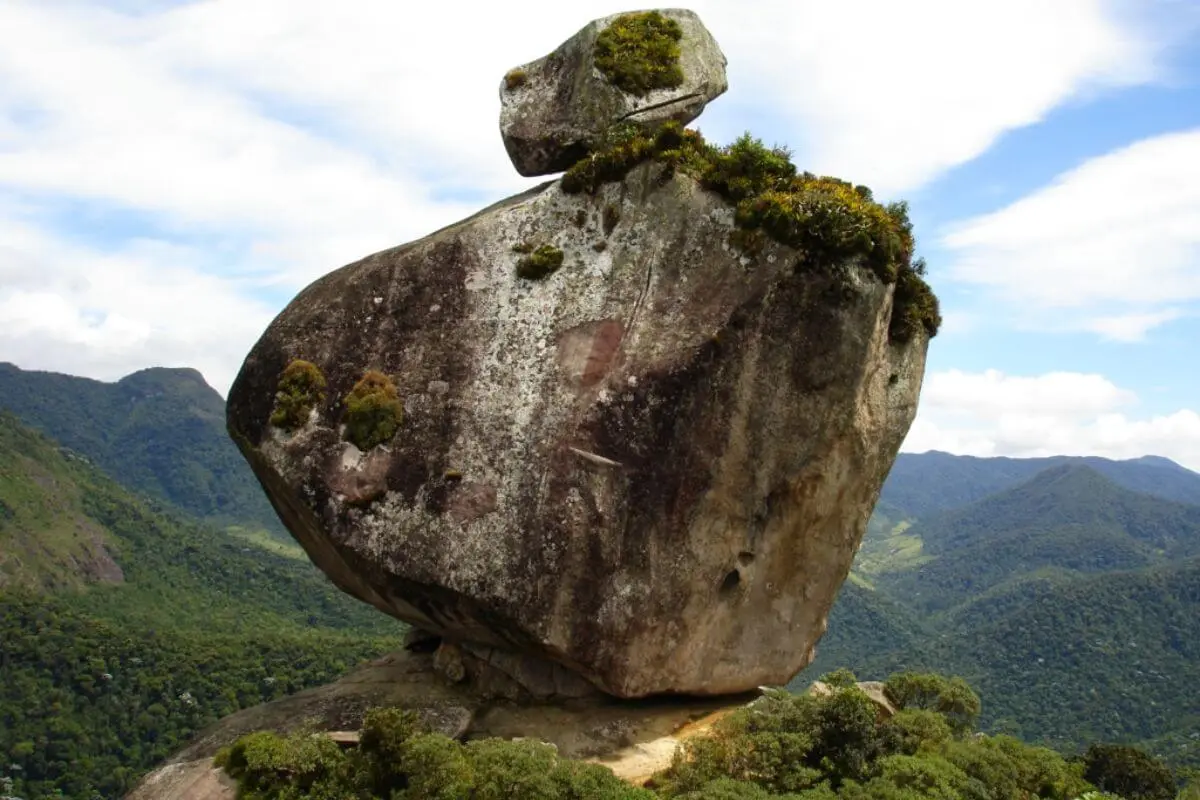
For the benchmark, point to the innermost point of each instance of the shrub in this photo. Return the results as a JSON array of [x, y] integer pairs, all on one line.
[[950, 697], [1128, 772], [910, 728], [640, 52], [301, 389], [291, 767], [373, 411], [541, 263]]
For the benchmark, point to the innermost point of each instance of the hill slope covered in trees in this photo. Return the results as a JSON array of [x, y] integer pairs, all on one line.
[[108, 670], [159, 431]]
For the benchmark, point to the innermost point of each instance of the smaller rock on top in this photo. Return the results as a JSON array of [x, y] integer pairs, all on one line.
[[644, 67]]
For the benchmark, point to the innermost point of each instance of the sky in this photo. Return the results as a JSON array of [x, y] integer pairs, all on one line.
[[172, 173]]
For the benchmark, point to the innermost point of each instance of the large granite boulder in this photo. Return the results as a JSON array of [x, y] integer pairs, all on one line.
[[555, 109], [651, 467]]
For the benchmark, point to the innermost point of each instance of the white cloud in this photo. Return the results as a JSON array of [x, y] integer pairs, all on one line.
[[895, 93], [105, 314], [278, 139], [1113, 246], [1069, 413]]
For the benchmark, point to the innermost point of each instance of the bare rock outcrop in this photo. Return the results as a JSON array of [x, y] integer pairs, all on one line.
[[555, 109], [607, 432]]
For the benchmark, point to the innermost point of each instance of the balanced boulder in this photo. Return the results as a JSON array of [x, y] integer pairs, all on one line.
[[622, 430], [644, 68]]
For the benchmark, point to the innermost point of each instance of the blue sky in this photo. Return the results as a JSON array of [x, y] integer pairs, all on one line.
[[171, 173]]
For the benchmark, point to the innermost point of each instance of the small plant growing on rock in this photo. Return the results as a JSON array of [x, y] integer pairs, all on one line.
[[541, 263], [301, 389], [373, 411], [515, 79], [640, 52]]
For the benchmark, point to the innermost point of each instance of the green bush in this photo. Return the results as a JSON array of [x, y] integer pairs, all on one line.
[[301, 388], [541, 263], [373, 411], [640, 52], [802, 747], [1128, 772], [950, 697]]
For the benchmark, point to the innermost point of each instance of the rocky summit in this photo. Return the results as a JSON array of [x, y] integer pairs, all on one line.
[[620, 432]]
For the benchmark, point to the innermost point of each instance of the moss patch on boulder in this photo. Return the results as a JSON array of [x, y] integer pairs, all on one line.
[[639, 52], [301, 389], [540, 264], [373, 411]]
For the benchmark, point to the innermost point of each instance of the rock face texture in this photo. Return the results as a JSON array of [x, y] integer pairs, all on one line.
[[646, 471], [555, 109]]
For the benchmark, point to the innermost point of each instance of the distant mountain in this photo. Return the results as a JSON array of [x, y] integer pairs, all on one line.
[[158, 431], [928, 483], [1061, 588], [125, 627], [1068, 517]]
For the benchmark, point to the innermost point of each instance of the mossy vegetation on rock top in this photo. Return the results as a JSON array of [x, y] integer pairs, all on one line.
[[830, 222], [639, 52]]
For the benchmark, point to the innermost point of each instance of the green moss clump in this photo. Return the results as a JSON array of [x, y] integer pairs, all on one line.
[[541, 263], [301, 389], [515, 79], [830, 222], [373, 411], [640, 52]]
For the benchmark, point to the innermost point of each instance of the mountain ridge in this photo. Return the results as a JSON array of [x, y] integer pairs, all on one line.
[[158, 431]]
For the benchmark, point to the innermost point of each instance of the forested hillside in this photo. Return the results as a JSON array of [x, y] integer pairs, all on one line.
[[1069, 600], [159, 431], [108, 669]]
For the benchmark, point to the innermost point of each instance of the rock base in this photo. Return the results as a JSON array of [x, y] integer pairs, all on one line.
[[634, 738]]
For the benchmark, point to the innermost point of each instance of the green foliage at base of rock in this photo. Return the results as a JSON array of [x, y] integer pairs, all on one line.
[[541, 263], [301, 389], [396, 760], [838, 746], [640, 52], [373, 411], [828, 221]]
